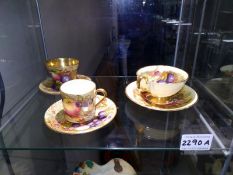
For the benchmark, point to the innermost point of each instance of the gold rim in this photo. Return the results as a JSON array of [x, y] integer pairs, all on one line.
[[60, 63]]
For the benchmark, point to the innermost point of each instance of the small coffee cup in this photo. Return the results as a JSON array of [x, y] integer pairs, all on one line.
[[62, 69], [79, 100]]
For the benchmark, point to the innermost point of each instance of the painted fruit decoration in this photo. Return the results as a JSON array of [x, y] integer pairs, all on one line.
[[76, 108], [72, 108], [163, 76], [55, 76], [61, 77]]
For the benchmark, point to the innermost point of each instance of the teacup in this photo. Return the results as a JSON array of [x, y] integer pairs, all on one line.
[[161, 81], [62, 69], [79, 100]]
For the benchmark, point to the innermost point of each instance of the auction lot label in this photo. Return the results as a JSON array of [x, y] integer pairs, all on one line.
[[196, 142]]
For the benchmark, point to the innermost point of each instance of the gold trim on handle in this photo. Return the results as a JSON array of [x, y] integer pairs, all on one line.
[[104, 95]]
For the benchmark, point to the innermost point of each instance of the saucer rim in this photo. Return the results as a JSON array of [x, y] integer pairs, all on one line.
[[79, 131], [133, 85], [43, 88]]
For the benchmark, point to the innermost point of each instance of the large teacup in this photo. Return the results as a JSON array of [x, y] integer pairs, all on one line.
[[164, 87], [62, 69], [79, 100]]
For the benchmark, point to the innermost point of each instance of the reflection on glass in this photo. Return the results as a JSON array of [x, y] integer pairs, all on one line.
[[150, 125]]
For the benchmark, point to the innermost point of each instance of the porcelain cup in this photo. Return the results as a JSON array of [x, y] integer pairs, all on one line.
[[62, 69], [160, 89], [79, 100]]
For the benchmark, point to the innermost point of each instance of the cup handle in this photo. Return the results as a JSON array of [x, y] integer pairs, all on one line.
[[104, 95], [139, 79]]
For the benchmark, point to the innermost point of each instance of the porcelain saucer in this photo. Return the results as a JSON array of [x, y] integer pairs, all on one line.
[[115, 166], [184, 99], [46, 86], [55, 120]]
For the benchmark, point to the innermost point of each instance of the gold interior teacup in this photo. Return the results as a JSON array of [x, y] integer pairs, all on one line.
[[62, 70]]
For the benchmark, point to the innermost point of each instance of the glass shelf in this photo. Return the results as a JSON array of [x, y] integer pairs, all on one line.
[[133, 128]]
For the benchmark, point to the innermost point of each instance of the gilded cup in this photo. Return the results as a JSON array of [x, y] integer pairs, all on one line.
[[79, 100], [62, 69]]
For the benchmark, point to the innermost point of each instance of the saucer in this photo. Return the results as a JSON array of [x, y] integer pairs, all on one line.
[[115, 166], [184, 99], [46, 85], [55, 120]]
